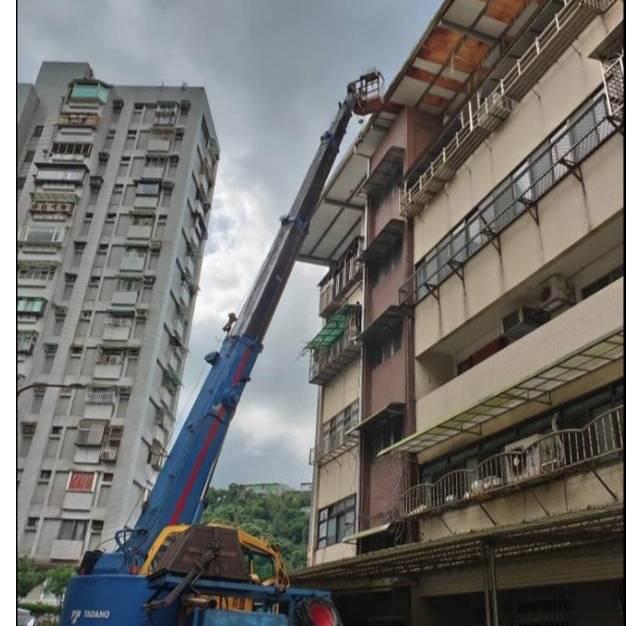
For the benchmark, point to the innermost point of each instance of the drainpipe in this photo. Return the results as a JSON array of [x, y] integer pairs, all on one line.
[[409, 373]]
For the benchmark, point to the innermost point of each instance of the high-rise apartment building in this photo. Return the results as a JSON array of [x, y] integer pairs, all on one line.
[[114, 195], [469, 450]]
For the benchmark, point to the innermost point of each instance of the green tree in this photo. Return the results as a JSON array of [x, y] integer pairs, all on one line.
[[57, 579], [28, 577], [282, 519]]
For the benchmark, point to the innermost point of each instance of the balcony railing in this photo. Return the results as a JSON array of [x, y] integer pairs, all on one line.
[[336, 443], [613, 78], [84, 120], [568, 147], [326, 363], [100, 396], [551, 454], [345, 275], [482, 115]]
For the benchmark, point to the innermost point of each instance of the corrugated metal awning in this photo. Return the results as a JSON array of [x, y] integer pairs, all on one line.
[[366, 533], [534, 388], [393, 409]]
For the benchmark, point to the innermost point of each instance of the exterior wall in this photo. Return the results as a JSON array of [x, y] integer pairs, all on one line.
[[580, 326], [385, 384], [114, 501], [566, 217]]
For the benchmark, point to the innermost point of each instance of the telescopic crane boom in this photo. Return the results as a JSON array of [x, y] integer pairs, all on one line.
[[177, 498]]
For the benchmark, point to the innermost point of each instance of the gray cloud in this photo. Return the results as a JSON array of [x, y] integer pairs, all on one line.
[[273, 71]]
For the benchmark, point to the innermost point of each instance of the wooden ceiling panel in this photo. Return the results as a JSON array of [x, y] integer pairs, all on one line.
[[505, 10], [470, 55], [427, 77], [437, 102], [440, 45]]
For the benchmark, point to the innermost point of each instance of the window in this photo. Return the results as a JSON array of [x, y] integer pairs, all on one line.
[[73, 530], [336, 522], [31, 523], [89, 91], [97, 525], [90, 432], [59, 175], [41, 235], [38, 131], [387, 347], [81, 482], [21, 181], [29, 156], [335, 429], [42, 273], [384, 433], [111, 357], [31, 306], [602, 282], [45, 476], [128, 284], [26, 342], [386, 265], [55, 432], [147, 189], [71, 149]]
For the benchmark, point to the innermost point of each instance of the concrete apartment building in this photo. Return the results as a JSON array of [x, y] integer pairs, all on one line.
[[469, 449], [114, 195]]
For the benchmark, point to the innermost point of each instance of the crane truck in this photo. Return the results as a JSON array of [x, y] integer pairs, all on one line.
[[167, 569]]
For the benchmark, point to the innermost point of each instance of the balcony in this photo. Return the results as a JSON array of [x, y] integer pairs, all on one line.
[[482, 115], [133, 263], [158, 145], [107, 371], [146, 202], [335, 444], [574, 344], [336, 345], [347, 272], [78, 120], [117, 331], [570, 145], [99, 403], [139, 231], [124, 298], [551, 455], [153, 172]]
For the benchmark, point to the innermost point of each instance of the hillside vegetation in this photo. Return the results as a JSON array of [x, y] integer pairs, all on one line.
[[282, 519]]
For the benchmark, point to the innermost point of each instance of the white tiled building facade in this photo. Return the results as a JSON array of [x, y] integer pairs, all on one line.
[[114, 195]]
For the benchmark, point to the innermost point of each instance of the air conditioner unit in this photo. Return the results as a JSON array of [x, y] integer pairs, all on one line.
[[174, 158], [185, 105], [554, 294], [522, 321], [95, 182], [168, 184], [118, 105], [103, 157], [155, 245], [534, 455]]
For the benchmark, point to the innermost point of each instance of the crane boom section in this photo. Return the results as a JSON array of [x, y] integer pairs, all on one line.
[[178, 491]]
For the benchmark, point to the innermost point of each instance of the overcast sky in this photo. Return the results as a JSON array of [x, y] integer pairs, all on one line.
[[273, 71]]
